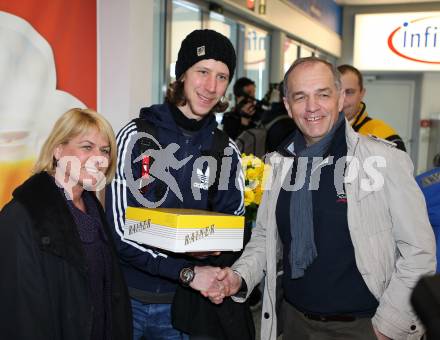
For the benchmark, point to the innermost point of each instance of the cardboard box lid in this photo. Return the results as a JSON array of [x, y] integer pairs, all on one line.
[[184, 218]]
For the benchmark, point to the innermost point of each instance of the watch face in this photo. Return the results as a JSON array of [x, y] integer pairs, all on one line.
[[187, 275]]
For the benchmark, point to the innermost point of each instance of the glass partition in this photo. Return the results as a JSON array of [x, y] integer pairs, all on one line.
[[256, 57], [186, 17], [291, 48]]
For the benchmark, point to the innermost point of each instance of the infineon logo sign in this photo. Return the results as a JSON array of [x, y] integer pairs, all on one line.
[[397, 41], [417, 40]]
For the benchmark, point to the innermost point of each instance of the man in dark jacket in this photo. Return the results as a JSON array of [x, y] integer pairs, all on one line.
[[242, 116], [205, 65], [277, 122]]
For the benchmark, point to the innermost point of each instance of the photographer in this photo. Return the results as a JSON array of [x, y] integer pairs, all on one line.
[[276, 120], [245, 113]]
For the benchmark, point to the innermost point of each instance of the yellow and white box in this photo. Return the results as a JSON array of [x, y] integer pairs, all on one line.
[[184, 230]]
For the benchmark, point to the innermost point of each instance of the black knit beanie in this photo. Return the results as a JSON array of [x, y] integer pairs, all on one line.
[[205, 44]]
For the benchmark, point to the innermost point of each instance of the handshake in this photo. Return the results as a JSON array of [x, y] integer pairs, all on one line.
[[216, 283]]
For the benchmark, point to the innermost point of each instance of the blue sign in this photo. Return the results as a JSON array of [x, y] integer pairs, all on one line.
[[326, 11]]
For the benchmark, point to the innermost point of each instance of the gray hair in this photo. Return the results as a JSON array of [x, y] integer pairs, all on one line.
[[300, 61]]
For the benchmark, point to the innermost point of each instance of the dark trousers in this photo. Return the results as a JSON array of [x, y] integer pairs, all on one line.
[[298, 327]]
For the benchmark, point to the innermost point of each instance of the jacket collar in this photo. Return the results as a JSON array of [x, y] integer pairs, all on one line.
[[161, 117], [284, 152], [360, 116], [55, 229], [352, 138], [282, 161]]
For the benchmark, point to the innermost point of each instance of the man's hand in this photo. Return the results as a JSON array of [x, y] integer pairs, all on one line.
[[379, 335], [205, 279], [230, 283]]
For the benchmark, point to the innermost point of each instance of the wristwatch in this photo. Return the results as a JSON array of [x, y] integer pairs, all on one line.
[[187, 276]]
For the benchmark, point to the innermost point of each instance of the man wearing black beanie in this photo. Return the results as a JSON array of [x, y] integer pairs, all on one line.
[[205, 65]]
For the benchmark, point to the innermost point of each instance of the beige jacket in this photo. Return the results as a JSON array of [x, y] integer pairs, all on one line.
[[393, 241]]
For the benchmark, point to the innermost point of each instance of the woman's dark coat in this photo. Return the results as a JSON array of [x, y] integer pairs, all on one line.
[[44, 287]]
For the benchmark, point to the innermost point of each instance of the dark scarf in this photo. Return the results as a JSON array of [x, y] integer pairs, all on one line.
[[302, 247]]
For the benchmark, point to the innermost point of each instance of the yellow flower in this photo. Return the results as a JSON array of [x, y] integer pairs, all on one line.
[[258, 195], [260, 169], [249, 196], [256, 162], [252, 174], [246, 161], [255, 172]]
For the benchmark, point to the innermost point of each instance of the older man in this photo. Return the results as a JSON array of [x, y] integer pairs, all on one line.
[[346, 214]]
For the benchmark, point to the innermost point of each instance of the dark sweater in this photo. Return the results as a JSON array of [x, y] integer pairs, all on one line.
[[332, 284], [98, 259]]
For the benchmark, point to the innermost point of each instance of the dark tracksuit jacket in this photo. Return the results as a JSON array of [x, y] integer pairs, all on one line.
[[152, 271]]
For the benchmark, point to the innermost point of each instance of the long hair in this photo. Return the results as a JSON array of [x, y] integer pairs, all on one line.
[[71, 124]]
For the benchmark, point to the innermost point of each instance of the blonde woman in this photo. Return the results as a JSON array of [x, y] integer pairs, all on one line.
[[60, 277]]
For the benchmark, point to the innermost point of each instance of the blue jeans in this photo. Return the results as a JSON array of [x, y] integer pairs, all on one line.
[[153, 321]]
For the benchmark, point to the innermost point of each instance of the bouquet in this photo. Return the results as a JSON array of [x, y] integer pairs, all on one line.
[[254, 173]]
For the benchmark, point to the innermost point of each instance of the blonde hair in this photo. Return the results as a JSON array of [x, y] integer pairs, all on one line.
[[71, 124]]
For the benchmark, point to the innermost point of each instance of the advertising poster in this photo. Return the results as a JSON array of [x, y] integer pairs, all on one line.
[[48, 64]]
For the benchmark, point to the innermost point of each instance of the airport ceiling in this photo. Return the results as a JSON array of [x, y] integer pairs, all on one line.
[[379, 2]]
